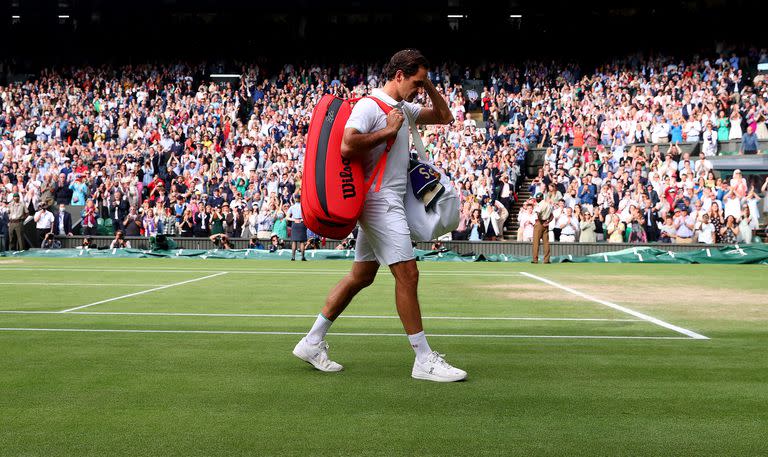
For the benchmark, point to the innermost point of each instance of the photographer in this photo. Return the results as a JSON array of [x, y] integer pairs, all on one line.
[[221, 241], [50, 242], [120, 242], [275, 244]]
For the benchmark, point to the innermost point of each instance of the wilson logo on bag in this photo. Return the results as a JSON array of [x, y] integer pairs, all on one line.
[[333, 188]]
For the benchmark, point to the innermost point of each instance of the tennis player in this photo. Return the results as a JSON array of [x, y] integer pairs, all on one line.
[[384, 236]]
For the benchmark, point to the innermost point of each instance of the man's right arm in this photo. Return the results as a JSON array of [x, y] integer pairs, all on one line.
[[355, 144]]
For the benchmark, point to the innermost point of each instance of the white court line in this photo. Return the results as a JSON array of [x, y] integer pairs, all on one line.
[[74, 284], [399, 335], [623, 309], [143, 292], [384, 272], [312, 316]]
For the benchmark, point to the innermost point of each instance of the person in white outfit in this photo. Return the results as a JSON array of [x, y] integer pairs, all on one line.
[[384, 235]]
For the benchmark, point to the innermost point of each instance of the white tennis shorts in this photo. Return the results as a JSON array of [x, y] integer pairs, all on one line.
[[384, 235]]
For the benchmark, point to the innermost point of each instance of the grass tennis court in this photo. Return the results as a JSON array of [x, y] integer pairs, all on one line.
[[193, 357]]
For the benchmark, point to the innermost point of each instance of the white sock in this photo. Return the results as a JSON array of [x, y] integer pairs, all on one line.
[[319, 329], [420, 345]]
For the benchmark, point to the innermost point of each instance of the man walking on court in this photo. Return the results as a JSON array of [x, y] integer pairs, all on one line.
[[384, 236], [543, 212]]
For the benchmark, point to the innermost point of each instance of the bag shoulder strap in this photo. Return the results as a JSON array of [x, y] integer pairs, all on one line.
[[381, 166]]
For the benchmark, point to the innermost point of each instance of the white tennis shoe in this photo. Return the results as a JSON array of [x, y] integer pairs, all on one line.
[[316, 355], [435, 368]]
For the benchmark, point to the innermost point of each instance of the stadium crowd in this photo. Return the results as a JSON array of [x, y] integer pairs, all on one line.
[[156, 149]]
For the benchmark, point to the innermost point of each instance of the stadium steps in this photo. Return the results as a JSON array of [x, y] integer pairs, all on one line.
[[510, 228]]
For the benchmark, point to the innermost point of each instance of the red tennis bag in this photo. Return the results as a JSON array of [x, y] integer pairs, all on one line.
[[333, 188]]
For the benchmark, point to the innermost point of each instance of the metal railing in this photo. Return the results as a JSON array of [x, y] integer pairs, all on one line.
[[510, 248]]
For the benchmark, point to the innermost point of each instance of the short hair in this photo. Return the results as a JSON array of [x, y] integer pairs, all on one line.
[[408, 61]]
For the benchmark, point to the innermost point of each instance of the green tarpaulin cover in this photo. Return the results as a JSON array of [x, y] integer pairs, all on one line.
[[755, 253]]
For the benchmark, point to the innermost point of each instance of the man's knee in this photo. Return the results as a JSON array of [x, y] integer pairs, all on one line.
[[361, 280], [406, 273]]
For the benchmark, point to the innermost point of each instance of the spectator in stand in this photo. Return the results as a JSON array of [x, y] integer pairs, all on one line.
[[587, 228], [187, 225], [89, 218], [43, 222], [615, 229], [132, 223], [62, 225], [150, 223], [729, 232], [749, 144], [3, 225]]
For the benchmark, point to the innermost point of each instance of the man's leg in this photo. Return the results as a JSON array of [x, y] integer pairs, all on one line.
[[18, 244], [429, 365], [538, 229], [406, 295], [546, 246], [361, 276], [312, 348]]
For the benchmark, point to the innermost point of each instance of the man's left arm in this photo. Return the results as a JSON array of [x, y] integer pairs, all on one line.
[[439, 113]]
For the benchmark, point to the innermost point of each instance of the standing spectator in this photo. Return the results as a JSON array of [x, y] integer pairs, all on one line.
[[668, 232], [723, 127], [3, 225], [62, 225], [203, 219], [62, 192], [79, 189], [17, 212], [587, 228], [749, 144], [735, 133], [281, 226], [43, 222], [132, 223], [264, 223], [705, 230], [747, 225], [476, 226], [709, 145], [151, 223], [89, 222], [684, 224], [716, 219], [543, 211], [729, 231], [187, 224], [168, 222], [568, 225], [615, 229], [526, 220], [118, 210]]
